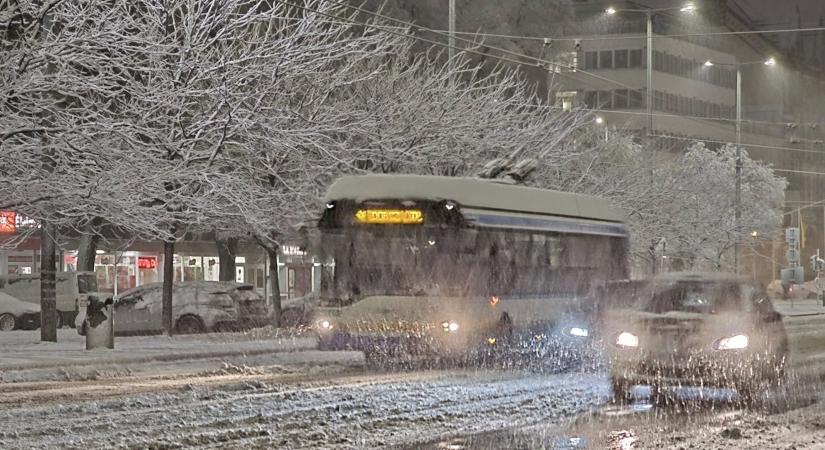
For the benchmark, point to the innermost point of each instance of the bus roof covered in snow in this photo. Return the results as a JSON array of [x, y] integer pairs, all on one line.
[[472, 193]]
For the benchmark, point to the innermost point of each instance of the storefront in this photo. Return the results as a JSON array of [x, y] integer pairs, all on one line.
[[142, 263]]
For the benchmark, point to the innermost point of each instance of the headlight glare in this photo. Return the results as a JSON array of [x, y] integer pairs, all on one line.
[[626, 339], [578, 332], [449, 326], [737, 342], [324, 325]]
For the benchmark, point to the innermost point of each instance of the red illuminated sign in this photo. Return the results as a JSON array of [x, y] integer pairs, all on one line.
[[147, 262], [8, 222]]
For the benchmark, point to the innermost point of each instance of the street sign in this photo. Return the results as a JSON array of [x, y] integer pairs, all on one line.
[[792, 234]]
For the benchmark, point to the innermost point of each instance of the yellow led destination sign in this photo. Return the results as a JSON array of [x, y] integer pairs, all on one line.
[[390, 216]]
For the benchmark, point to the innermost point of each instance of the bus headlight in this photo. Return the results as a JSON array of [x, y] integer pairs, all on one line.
[[626, 340], [324, 325], [737, 342], [578, 332], [449, 326]]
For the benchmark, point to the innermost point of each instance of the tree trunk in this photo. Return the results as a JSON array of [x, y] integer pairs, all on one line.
[[275, 286], [227, 249], [87, 250], [48, 300], [168, 279]]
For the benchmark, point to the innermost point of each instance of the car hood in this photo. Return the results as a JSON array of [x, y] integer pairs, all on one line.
[[9, 304]]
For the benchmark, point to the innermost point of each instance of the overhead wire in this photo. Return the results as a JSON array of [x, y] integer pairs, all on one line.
[[539, 61], [630, 36], [503, 59], [744, 144]]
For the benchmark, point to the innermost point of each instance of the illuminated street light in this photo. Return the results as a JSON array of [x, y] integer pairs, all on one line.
[[754, 233], [738, 165], [599, 120], [689, 7]]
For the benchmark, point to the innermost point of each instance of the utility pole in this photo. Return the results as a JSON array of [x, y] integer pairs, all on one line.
[[649, 99], [451, 41], [738, 210]]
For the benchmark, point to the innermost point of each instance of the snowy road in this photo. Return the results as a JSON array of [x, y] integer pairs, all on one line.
[[261, 408]]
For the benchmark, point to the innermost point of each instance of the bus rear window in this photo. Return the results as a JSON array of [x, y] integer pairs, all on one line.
[[86, 283]]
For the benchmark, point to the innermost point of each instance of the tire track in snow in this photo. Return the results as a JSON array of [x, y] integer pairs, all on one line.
[[368, 411]]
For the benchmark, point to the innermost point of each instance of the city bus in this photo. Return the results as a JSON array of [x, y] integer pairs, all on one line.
[[450, 264]]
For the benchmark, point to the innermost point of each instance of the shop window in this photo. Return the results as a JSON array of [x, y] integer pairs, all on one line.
[[621, 59], [636, 58], [606, 59]]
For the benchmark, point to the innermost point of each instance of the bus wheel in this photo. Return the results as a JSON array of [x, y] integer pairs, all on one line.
[[7, 322]]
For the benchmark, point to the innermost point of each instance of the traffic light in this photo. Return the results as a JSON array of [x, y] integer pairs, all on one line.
[[817, 263]]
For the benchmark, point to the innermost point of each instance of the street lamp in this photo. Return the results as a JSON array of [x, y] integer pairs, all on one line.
[[686, 8], [738, 168], [601, 122]]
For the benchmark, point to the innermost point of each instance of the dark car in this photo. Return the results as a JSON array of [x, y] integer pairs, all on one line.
[[686, 329]]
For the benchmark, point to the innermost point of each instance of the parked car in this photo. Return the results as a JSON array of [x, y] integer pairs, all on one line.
[[72, 289], [696, 330], [198, 306], [18, 315]]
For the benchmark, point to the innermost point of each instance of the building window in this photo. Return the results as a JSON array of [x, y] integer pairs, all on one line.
[[635, 58], [621, 59], [591, 99], [658, 61], [659, 100], [564, 62], [606, 59], [591, 60], [566, 100], [620, 99], [636, 100], [605, 99]]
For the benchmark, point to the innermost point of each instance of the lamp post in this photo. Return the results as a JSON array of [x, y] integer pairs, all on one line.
[[738, 164], [686, 8], [451, 40], [601, 122]]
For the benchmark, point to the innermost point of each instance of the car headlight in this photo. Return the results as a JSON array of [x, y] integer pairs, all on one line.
[[578, 332], [626, 339], [324, 325], [737, 342], [449, 326]]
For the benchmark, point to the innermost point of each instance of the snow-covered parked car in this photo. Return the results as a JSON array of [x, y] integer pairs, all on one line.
[[197, 307], [18, 315]]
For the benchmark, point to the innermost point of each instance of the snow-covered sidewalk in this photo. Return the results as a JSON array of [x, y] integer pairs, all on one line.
[[21, 350]]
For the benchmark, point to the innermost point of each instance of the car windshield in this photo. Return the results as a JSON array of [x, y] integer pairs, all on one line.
[[710, 298]]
